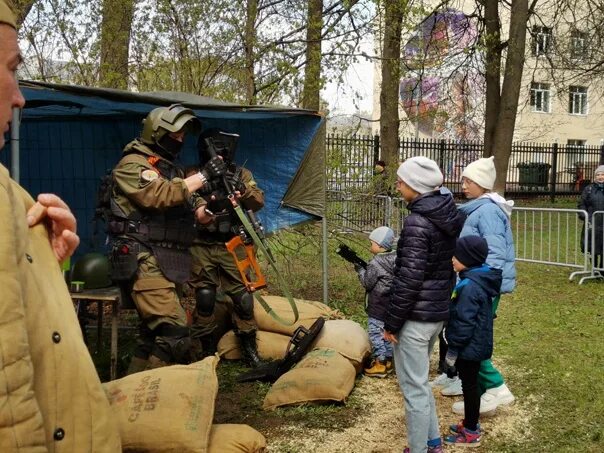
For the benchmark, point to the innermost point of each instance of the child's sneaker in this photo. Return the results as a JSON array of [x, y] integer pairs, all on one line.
[[377, 369], [389, 365], [442, 380], [453, 389], [456, 429], [464, 438]]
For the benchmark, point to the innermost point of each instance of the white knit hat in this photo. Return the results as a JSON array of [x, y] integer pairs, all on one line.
[[382, 236], [600, 169], [421, 174], [482, 172]]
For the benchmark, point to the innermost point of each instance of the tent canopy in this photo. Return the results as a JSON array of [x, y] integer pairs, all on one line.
[[70, 136]]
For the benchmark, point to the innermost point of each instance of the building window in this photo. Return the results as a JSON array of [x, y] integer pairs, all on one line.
[[578, 45], [540, 95], [542, 40], [577, 100]]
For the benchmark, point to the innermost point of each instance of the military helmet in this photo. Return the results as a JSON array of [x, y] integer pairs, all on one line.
[[163, 120], [93, 269]]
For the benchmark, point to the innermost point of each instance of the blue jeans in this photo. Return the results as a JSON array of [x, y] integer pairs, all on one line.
[[412, 360], [382, 349]]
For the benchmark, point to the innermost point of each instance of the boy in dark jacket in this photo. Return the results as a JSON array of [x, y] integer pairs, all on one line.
[[421, 292], [469, 333], [376, 280]]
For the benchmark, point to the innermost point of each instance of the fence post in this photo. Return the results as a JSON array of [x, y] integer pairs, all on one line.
[[441, 154], [601, 152], [554, 172], [376, 148]]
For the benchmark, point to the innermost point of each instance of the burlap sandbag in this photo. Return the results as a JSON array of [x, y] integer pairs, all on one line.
[[167, 409], [322, 375], [235, 439], [348, 338], [308, 310], [271, 346]]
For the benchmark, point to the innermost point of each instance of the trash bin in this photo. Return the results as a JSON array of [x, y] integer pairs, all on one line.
[[533, 175]]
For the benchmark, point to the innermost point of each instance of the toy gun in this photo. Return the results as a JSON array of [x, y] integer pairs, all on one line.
[[350, 255]]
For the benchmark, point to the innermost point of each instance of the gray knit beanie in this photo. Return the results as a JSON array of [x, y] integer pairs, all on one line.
[[382, 236], [421, 174]]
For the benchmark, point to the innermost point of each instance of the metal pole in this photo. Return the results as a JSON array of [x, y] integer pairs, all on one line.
[[14, 144]]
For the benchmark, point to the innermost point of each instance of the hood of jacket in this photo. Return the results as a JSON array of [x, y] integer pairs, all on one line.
[[490, 197], [440, 210], [487, 277]]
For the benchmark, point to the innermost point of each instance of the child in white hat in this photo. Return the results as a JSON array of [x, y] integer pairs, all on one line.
[[592, 200], [488, 216]]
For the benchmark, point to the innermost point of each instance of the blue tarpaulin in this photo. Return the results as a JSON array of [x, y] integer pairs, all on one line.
[[71, 136]]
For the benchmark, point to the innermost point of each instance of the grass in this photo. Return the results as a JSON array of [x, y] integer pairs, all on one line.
[[547, 343]]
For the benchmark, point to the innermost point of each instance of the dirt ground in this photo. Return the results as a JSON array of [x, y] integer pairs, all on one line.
[[374, 425]]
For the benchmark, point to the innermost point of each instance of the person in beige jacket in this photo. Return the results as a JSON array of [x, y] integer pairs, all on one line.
[[51, 398]]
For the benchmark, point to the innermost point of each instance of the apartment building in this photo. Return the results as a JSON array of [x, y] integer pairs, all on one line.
[[559, 101]]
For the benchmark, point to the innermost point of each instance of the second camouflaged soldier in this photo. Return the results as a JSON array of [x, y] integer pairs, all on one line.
[[213, 264], [153, 210]]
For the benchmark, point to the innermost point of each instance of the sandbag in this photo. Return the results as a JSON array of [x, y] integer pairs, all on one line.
[[322, 375], [308, 310], [167, 409], [235, 439], [271, 346], [348, 338]]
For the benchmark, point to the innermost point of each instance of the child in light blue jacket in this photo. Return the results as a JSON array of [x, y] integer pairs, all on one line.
[[489, 216]]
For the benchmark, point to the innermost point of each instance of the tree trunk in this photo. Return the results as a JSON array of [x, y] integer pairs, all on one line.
[[391, 73], [312, 74], [116, 26], [504, 130], [492, 42], [249, 45], [21, 9]]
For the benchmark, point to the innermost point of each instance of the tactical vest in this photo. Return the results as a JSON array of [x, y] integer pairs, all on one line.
[[167, 234]]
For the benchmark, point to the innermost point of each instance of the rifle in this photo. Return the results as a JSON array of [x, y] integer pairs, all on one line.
[[350, 255]]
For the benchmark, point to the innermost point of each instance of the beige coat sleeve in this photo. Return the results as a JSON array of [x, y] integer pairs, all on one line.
[[21, 423], [253, 198], [145, 187]]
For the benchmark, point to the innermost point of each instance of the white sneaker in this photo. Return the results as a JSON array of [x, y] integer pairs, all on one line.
[[442, 380], [453, 389], [490, 400], [502, 395], [488, 404]]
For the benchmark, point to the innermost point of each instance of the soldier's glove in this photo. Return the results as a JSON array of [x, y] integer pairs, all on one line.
[[450, 360], [214, 168], [237, 184], [208, 188]]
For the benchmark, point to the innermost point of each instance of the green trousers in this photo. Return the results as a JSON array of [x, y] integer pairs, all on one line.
[[488, 376]]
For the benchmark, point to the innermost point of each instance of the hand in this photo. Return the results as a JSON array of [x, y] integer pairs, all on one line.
[[203, 216], [390, 337], [237, 185], [60, 222], [214, 168], [451, 358]]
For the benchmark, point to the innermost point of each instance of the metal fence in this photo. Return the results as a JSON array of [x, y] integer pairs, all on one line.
[[594, 245], [541, 235], [535, 169]]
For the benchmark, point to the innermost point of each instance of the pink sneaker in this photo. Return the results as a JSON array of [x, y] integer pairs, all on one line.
[[465, 438]]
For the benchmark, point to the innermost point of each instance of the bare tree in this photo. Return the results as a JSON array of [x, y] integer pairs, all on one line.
[[116, 26], [312, 73], [394, 11]]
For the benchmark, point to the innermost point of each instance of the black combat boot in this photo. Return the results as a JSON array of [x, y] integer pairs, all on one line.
[[203, 343], [249, 351]]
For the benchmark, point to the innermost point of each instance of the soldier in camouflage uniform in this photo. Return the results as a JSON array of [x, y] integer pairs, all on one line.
[[151, 225], [213, 265]]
